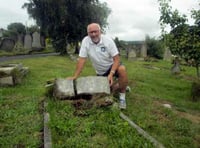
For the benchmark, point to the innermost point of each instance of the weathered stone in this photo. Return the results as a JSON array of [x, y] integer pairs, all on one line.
[[6, 81], [6, 70], [36, 44], [16, 71], [132, 54], [28, 41], [143, 50], [92, 85], [7, 44], [63, 88], [176, 67], [167, 55]]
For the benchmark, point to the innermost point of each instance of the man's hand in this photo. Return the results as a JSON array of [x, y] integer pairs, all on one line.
[[71, 78]]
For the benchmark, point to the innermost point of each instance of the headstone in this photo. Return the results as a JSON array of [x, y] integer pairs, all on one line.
[[36, 41], [176, 67], [92, 85], [167, 55], [63, 88], [131, 54], [28, 41], [7, 44], [143, 51]]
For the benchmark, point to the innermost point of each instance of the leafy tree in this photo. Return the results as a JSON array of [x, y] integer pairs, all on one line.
[[183, 40], [32, 29], [65, 21], [13, 30], [154, 47]]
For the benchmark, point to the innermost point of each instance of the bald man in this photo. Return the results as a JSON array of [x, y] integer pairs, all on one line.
[[104, 56]]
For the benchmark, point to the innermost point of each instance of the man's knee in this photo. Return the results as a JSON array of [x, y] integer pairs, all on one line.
[[121, 69]]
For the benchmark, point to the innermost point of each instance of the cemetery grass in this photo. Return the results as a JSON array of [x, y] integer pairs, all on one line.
[[152, 85], [25, 52]]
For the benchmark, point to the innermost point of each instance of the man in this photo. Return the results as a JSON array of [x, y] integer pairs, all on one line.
[[104, 56]]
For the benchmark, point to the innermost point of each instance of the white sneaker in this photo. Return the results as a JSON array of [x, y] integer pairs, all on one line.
[[128, 89], [122, 104]]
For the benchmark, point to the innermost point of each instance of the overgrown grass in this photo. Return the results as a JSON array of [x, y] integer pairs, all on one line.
[[152, 84]]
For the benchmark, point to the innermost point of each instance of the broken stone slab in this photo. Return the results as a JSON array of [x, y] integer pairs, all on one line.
[[63, 88], [16, 71], [6, 71], [6, 81], [92, 85]]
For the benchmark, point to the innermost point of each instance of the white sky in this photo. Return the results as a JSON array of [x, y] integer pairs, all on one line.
[[129, 20]]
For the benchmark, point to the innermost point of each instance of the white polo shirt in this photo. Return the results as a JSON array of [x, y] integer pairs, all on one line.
[[100, 54]]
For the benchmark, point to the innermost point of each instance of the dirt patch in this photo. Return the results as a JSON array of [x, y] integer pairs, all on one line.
[[195, 118]]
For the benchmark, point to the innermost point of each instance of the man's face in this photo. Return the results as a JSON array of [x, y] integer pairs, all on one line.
[[94, 33]]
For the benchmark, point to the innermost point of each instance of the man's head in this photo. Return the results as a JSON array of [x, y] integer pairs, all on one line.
[[94, 31]]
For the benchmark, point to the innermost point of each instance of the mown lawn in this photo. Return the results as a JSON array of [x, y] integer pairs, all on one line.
[[21, 109]]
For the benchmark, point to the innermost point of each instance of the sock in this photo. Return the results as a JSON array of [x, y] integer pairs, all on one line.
[[122, 96]]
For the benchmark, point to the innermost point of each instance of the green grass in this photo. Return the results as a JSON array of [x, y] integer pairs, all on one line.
[[21, 113]]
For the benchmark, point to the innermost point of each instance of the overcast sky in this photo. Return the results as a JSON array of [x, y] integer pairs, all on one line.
[[129, 20]]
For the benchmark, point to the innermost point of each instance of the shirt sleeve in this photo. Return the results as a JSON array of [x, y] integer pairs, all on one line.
[[83, 49], [113, 48]]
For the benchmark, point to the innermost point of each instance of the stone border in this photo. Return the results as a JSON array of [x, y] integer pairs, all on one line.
[[142, 132], [47, 131]]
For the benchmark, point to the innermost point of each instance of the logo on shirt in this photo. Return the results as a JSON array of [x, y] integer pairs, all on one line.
[[103, 49]]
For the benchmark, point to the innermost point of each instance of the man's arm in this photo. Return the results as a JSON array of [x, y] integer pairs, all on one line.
[[79, 66]]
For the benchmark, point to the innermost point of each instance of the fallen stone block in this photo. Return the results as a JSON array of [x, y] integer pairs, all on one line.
[[63, 88], [92, 85], [7, 81], [16, 71]]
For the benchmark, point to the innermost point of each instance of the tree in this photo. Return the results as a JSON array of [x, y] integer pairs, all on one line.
[[65, 21], [183, 39], [154, 47], [14, 29]]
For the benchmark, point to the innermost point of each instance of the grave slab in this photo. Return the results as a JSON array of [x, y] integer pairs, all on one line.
[[92, 85]]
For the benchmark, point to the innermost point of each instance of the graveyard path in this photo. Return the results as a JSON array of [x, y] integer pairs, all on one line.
[[10, 58]]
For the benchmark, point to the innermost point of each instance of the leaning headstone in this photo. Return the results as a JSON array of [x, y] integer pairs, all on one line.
[[36, 41], [92, 85], [28, 41], [63, 88], [7, 44]]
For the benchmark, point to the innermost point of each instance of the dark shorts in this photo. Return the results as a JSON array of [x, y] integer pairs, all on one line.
[[108, 72]]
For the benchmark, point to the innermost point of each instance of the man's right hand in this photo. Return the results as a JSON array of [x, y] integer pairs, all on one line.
[[71, 78]]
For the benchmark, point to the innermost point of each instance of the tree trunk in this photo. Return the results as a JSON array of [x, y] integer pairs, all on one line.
[[76, 48]]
